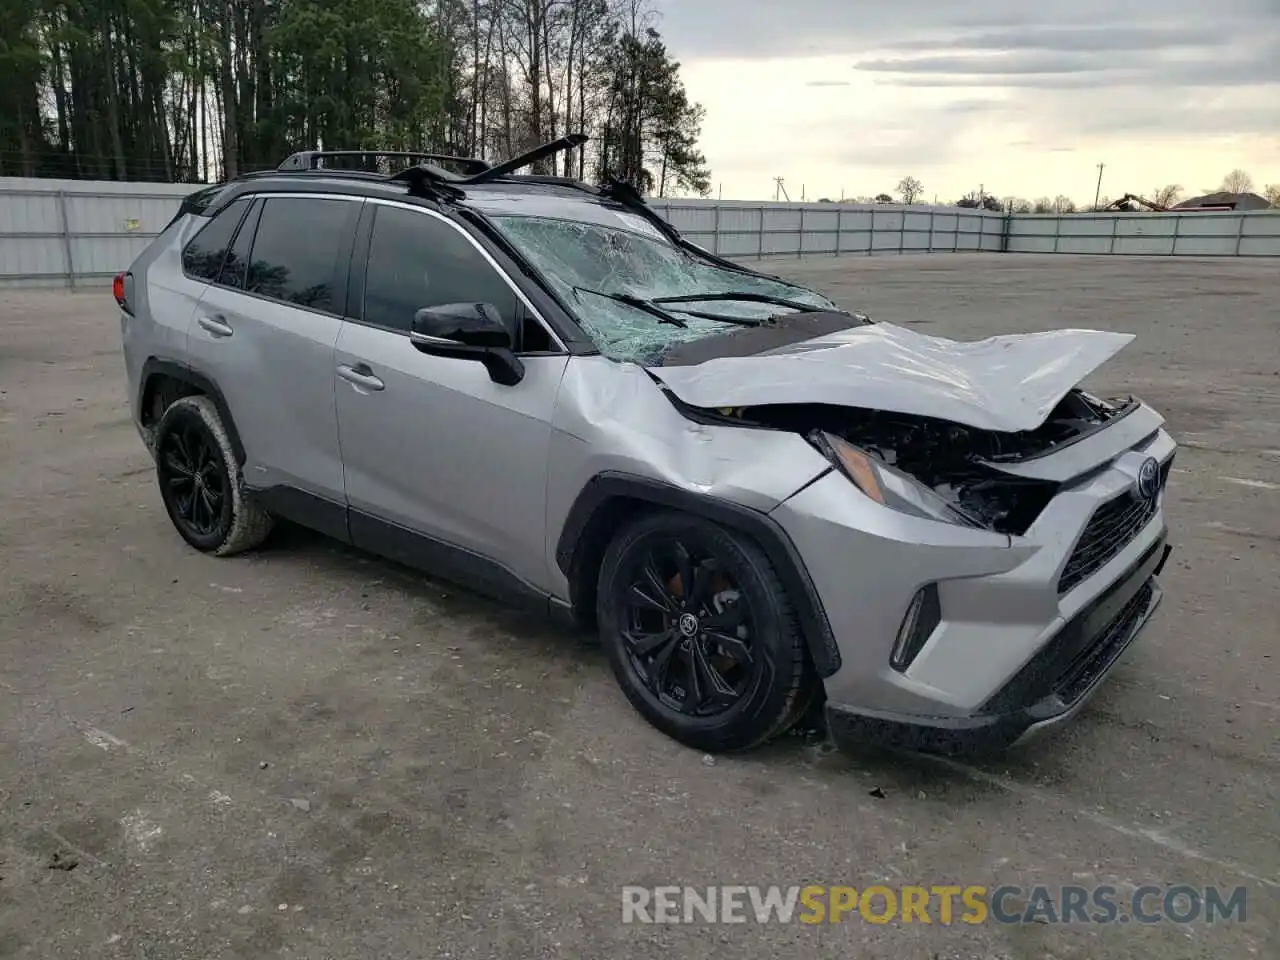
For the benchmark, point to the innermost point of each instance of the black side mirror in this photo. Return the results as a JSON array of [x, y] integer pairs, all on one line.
[[475, 324], [472, 331]]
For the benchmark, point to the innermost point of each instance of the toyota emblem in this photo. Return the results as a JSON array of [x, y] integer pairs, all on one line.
[[1149, 479]]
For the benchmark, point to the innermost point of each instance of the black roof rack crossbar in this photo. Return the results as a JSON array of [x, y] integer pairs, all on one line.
[[525, 159], [429, 179], [311, 159]]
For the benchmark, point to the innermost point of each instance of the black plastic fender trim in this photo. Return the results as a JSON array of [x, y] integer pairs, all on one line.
[[187, 374], [612, 486]]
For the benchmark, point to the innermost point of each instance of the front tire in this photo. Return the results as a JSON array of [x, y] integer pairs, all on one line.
[[200, 481], [700, 633]]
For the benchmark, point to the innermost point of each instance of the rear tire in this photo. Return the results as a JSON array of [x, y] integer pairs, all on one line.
[[200, 481], [700, 633]]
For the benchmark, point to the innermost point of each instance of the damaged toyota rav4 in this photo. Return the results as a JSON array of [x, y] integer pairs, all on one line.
[[761, 501]]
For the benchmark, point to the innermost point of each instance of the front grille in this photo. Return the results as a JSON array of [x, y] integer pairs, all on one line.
[[1093, 661], [1109, 530]]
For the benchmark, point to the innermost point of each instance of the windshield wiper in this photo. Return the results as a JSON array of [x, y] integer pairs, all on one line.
[[666, 316], [638, 303], [747, 297]]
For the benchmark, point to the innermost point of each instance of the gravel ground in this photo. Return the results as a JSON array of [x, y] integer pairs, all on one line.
[[309, 752]]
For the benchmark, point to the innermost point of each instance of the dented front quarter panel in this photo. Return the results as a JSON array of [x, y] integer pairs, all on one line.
[[1007, 383], [612, 416]]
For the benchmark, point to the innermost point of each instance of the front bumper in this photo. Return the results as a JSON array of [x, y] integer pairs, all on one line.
[[1018, 648], [1046, 693]]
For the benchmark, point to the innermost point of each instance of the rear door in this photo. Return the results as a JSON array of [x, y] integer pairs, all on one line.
[[265, 331], [431, 445]]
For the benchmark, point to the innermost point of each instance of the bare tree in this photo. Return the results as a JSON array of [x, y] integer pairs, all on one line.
[[1044, 205], [1167, 195], [1237, 181], [1272, 192], [1063, 204], [909, 188]]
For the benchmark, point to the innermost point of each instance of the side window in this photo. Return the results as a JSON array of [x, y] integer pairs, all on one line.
[[416, 261], [234, 267], [203, 256], [296, 249]]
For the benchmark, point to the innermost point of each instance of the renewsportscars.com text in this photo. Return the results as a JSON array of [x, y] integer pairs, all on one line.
[[940, 904]]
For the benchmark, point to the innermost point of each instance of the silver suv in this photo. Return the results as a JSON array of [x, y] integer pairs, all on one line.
[[540, 389]]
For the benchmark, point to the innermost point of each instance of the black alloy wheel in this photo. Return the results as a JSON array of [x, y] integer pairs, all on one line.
[[700, 632], [201, 480], [687, 627], [194, 481]]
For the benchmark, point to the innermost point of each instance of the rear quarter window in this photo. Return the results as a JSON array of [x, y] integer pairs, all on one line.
[[204, 255]]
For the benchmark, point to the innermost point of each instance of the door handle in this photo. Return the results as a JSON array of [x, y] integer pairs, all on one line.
[[216, 326], [361, 376]]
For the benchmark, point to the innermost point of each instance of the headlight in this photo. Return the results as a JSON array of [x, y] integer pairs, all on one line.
[[885, 485]]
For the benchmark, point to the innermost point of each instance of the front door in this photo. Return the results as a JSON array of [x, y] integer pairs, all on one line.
[[431, 446]]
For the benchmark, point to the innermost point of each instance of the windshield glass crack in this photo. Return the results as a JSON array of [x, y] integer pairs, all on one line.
[[624, 282]]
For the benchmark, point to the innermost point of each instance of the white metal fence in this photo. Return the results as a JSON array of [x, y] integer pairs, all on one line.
[[1189, 234], [70, 232], [738, 229]]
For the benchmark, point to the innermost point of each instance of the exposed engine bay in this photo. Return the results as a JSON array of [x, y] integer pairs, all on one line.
[[953, 460]]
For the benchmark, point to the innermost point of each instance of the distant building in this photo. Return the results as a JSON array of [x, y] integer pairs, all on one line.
[[1224, 201]]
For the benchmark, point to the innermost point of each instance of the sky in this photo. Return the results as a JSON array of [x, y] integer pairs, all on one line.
[[1020, 97]]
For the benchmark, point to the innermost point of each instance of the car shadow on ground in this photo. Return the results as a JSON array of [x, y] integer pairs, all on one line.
[[808, 743]]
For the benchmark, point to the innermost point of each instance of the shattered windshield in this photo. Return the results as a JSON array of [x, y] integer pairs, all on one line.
[[591, 265]]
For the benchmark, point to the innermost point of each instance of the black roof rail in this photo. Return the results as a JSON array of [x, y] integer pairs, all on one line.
[[313, 159]]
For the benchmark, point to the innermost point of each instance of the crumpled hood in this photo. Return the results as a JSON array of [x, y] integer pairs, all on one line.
[[1007, 383]]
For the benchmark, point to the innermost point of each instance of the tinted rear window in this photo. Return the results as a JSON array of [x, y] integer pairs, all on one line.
[[296, 251]]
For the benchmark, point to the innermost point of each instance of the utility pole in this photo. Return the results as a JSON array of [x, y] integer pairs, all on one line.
[[1097, 194], [779, 189]]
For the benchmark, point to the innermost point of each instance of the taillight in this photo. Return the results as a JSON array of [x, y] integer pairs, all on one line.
[[120, 285]]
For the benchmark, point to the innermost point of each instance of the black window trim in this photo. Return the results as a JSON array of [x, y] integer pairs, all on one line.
[[344, 252], [235, 232], [252, 215], [550, 309], [360, 262]]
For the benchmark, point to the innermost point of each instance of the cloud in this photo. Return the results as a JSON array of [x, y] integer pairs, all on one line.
[[1241, 62], [1202, 119], [1091, 39], [827, 83], [765, 28], [945, 72], [1020, 62]]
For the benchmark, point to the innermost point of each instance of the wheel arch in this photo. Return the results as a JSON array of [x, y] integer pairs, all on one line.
[[609, 498], [171, 380]]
